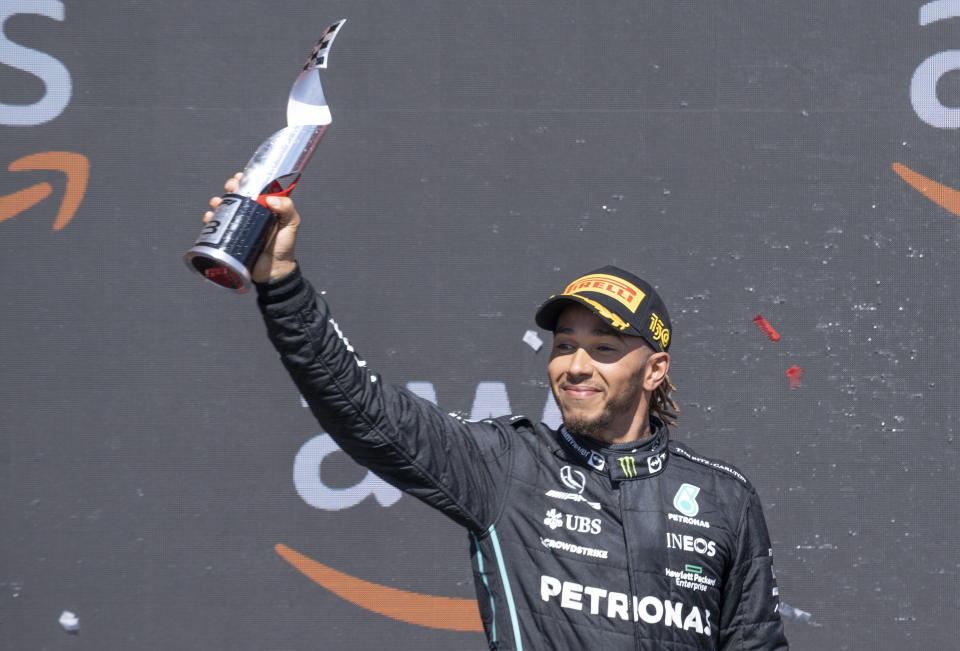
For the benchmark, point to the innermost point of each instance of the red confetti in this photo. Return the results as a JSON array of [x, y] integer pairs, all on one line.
[[793, 375], [764, 325]]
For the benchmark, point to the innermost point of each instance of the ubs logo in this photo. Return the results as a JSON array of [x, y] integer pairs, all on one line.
[[576, 523]]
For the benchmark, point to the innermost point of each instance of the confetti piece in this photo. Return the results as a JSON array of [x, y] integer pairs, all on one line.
[[793, 375], [533, 340], [768, 330], [795, 613], [70, 622]]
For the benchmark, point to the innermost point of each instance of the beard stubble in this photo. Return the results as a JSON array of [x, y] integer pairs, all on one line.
[[624, 402]]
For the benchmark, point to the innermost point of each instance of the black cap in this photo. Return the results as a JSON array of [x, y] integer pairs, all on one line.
[[628, 303]]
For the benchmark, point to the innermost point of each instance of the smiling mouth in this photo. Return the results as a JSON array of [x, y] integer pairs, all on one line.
[[580, 392]]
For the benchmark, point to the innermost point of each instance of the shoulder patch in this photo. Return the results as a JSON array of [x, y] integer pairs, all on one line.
[[685, 452], [517, 421]]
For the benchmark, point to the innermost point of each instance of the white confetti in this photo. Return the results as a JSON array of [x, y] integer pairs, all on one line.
[[69, 622], [791, 612], [533, 340]]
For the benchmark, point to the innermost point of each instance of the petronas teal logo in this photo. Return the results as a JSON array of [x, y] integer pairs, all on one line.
[[685, 500]]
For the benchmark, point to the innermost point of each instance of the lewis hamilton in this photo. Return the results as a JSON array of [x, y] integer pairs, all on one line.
[[603, 534]]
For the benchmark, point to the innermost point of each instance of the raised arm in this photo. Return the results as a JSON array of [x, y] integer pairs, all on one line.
[[456, 466]]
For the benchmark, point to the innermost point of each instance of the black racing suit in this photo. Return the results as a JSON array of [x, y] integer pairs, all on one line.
[[574, 545]]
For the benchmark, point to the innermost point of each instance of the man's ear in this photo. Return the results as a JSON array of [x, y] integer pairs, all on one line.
[[656, 370]]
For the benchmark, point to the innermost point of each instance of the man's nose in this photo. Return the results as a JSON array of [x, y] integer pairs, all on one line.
[[581, 365]]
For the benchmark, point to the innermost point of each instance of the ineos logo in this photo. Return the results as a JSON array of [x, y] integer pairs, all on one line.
[[701, 546], [573, 479]]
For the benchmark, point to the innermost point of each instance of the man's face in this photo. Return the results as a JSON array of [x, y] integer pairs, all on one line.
[[599, 376]]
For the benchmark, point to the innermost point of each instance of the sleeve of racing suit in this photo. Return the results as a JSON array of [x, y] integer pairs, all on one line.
[[453, 465], [750, 614]]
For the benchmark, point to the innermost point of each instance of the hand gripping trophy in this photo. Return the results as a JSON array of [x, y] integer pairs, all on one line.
[[242, 224]]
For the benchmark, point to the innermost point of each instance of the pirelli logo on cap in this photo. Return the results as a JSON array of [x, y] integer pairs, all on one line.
[[616, 288]]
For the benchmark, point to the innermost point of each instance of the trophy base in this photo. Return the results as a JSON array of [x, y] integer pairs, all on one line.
[[219, 268]]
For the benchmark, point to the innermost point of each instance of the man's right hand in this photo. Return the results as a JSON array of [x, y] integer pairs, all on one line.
[[277, 259]]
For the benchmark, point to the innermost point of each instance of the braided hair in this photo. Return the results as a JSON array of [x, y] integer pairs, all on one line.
[[663, 405]]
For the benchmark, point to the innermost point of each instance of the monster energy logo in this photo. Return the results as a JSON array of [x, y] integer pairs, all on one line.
[[629, 466]]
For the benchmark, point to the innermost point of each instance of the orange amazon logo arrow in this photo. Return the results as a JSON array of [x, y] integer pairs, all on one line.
[[75, 166], [942, 195], [446, 613]]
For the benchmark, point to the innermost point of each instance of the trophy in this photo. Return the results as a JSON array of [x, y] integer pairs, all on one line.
[[231, 242]]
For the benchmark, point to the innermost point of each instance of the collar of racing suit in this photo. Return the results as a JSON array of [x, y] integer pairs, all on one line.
[[622, 462]]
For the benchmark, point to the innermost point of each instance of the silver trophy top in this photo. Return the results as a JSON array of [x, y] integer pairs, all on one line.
[[279, 161], [306, 104], [230, 243]]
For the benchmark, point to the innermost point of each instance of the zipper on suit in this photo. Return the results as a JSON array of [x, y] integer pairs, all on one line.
[[626, 545]]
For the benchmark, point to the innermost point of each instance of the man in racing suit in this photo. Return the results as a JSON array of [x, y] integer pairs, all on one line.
[[582, 537]]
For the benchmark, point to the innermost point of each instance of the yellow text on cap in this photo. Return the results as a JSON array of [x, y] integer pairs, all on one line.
[[628, 294]]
